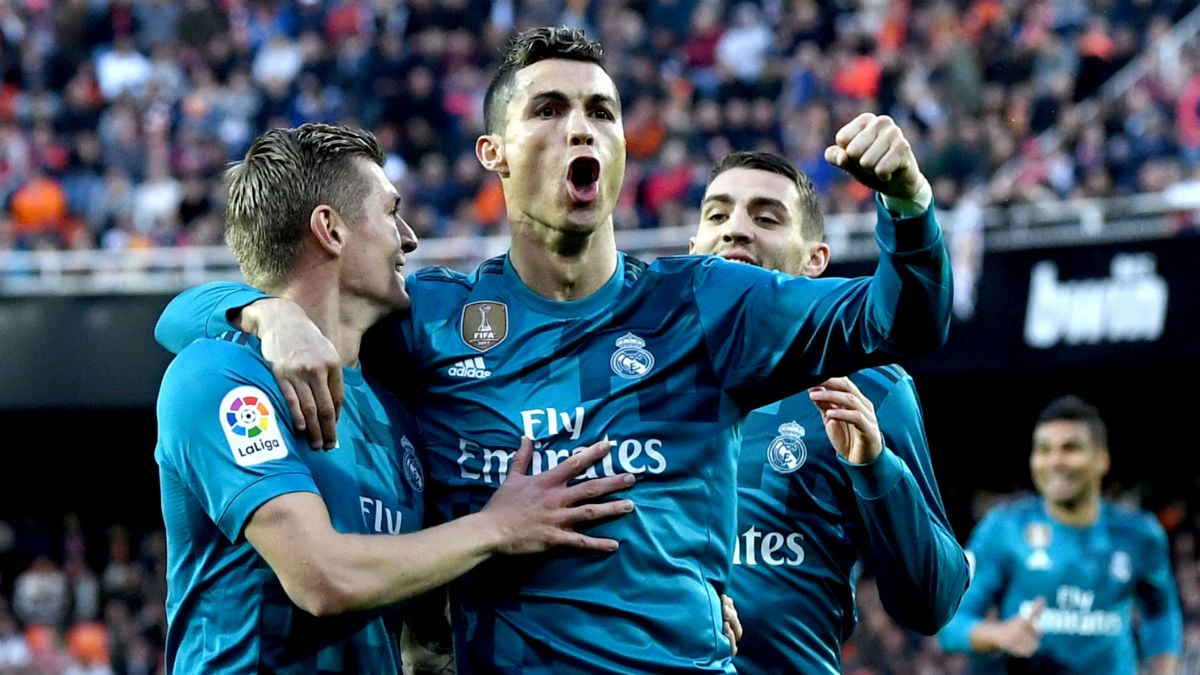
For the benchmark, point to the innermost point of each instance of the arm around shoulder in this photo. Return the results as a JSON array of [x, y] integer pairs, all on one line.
[[202, 311]]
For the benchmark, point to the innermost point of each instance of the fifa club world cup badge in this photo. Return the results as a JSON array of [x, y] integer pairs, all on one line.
[[484, 324], [787, 451], [631, 360], [1038, 535]]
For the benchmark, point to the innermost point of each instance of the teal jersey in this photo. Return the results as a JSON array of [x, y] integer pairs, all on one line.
[[665, 360], [226, 446], [1109, 591], [807, 521]]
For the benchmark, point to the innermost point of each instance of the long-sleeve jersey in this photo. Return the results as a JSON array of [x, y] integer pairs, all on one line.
[[807, 519], [665, 360], [1094, 580], [225, 449]]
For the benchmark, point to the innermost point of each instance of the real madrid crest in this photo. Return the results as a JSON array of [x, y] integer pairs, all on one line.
[[631, 360], [413, 471], [787, 451], [484, 324], [1121, 566]]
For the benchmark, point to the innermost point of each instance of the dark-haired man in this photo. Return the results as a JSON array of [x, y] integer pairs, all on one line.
[[1080, 584], [823, 488], [282, 559], [570, 340]]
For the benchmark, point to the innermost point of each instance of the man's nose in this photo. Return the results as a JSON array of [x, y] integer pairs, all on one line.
[[579, 129], [408, 236], [738, 228]]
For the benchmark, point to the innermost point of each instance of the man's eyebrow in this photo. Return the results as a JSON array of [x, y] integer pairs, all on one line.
[[721, 198], [755, 202], [556, 95]]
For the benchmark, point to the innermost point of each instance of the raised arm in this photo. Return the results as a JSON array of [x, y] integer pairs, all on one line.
[[913, 289], [919, 566]]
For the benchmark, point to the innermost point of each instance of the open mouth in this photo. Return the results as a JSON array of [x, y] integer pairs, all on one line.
[[583, 179], [738, 256]]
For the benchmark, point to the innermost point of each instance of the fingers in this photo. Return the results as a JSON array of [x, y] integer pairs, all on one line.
[[328, 396], [599, 511], [591, 489], [582, 541], [519, 464], [873, 149], [732, 623], [303, 408], [839, 392], [1039, 604], [853, 128], [579, 461]]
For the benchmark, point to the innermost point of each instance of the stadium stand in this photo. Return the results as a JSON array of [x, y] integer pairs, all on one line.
[[1044, 125]]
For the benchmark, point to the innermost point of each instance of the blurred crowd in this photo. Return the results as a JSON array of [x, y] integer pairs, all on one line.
[[117, 117], [80, 598]]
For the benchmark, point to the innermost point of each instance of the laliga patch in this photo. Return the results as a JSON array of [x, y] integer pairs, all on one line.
[[484, 324], [251, 427]]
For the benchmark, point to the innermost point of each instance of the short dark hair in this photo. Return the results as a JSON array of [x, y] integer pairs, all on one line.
[[812, 222], [527, 48], [1072, 408], [286, 174]]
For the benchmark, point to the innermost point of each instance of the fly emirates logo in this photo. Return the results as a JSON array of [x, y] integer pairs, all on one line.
[[628, 455], [773, 549]]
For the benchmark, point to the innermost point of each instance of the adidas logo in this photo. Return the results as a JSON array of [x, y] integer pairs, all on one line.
[[472, 368]]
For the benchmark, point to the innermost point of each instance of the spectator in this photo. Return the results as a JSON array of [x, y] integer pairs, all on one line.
[[41, 596]]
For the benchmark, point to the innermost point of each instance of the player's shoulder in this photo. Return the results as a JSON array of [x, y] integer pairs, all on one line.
[[439, 275], [879, 382], [1015, 510], [1128, 520], [231, 348], [692, 264], [214, 369]]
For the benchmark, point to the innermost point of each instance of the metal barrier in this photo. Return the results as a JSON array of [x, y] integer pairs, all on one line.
[[169, 270]]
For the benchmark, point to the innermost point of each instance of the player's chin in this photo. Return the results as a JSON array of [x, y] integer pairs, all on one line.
[[398, 298]]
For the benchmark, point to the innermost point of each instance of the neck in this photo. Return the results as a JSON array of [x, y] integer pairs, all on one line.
[[563, 265], [1079, 513], [340, 317]]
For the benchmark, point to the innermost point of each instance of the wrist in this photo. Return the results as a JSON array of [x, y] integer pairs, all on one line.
[[907, 207]]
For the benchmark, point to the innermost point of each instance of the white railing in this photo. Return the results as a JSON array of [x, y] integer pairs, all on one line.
[[169, 270]]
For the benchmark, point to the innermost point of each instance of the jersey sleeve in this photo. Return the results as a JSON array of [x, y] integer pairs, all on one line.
[[772, 337], [919, 566], [1160, 627], [985, 551], [202, 311], [221, 434]]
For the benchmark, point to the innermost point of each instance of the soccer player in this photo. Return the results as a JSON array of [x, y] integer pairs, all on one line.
[[282, 558], [566, 340], [1081, 584], [813, 505]]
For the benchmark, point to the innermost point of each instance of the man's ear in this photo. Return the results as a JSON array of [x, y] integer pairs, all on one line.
[[818, 260], [328, 229], [489, 150], [691, 245]]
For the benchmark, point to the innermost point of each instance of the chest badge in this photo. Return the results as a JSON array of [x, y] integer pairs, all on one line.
[[1121, 566], [484, 324], [787, 451], [631, 360]]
